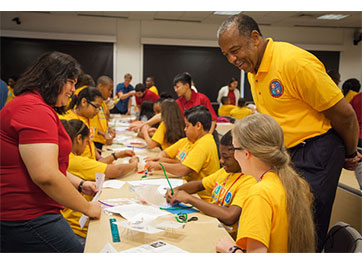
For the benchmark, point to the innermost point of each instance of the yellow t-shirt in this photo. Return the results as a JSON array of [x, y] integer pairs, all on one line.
[[264, 217], [154, 89], [85, 168], [159, 136], [227, 189], [240, 112], [101, 124], [350, 95], [10, 95], [292, 86], [89, 151], [201, 157], [225, 110]]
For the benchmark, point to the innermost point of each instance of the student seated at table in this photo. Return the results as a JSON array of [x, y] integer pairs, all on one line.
[[170, 130], [277, 213], [193, 157], [241, 110], [226, 107], [228, 188], [86, 169], [142, 94]]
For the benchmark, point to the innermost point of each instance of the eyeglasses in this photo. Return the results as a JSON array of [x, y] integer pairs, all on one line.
[[97, 108], [232, 148]]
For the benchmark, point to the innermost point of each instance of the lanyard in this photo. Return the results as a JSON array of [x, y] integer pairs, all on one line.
[[89, 144], [261, 177], [222, 202]]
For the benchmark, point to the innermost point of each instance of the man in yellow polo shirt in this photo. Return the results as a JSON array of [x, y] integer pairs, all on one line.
[[290, 84]]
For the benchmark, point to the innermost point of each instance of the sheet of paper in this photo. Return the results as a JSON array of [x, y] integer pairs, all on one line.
[[145, 227], [99, 185], [132, 210], [158, 246], [115, 184], [108, 248], [163, 184]]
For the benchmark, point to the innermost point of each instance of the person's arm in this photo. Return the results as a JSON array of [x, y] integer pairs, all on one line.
[[344, 121], [150, 143], [88, 187], [120, 170], [177, 169], [225, 244], [123, 96], [122, 154], [227, 215], [41, 161]]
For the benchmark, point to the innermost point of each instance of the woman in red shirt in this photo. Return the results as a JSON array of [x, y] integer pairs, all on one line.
[[34, 152]]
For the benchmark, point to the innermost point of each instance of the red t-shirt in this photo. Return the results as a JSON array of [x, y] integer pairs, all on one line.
[[27, 119], [196, 99], [356, 104], [231, 96], [149, 95]]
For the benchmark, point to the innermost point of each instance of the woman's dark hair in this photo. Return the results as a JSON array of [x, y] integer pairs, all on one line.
[[183, 78], [241, 102], [90, 94], [48, 76], [232, 80], [200, 114], [146, 110], [74, 128], [173, 119], [351, 84]]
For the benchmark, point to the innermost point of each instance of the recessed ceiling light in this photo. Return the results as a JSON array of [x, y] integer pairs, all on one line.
[[226, 13], [332, 17]]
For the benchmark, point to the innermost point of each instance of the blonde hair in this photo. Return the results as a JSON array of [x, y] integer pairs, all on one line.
[[263, 137]]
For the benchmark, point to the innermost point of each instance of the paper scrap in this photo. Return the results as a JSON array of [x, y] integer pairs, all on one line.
[[158, 246], [116, 184], [108, 248]]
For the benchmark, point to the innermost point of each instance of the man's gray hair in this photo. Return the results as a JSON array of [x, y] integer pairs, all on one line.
[[245, 25]]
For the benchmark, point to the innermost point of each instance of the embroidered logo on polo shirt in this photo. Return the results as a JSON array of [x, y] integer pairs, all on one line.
[[276, 88]]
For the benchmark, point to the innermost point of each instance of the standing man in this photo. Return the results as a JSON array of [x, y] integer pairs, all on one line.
[[124, 92], [150, 84], [290, 84]]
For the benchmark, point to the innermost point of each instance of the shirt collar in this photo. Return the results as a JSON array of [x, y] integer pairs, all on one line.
[[267, 56]]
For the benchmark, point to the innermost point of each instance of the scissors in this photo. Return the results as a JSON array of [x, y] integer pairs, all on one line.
[[182, 218]]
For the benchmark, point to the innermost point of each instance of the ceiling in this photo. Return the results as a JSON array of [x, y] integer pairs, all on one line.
[[274, 18]]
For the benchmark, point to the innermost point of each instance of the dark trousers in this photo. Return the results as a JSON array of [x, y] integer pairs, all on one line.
[[320, 160], [47, 233], [116, 111]]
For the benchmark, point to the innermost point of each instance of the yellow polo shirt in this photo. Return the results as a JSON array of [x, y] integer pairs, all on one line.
[[89, 151], [10, 95], [159, 136], [201, 157], [264, 217], [350, 95], [227, 189], [240, 112], [225, 110], [292, 86], [101, 124], [85, 168], [154, 89]]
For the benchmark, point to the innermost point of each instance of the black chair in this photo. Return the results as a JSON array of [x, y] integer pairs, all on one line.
[[342, 238]]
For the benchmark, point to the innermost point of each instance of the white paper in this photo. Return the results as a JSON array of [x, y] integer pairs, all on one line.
[[158, 246], [145, 227], [99, 185], [163, 184], [132, 210], [108, 248], [115, 184]]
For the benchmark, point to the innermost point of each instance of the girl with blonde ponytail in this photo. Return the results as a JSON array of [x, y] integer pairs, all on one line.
[[277, 215]]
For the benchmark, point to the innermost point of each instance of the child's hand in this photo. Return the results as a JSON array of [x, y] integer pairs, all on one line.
[[179, 197], [153, 166], [152, 159], [144, 128], [126, 153], [89, 188], [134, 159]]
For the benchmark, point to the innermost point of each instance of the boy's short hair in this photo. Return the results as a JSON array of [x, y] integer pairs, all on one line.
[[227, 139], [224, 99], [183, 78], [104, 80], [241, 102], [140, 87], [200, 114], [127, 75]]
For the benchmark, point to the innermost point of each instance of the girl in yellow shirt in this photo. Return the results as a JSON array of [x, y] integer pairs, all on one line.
[[350, 88], [241, 110], [171, 128], [277, 214]]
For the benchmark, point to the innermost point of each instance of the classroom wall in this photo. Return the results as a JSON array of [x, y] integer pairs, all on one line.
[[128, 36]]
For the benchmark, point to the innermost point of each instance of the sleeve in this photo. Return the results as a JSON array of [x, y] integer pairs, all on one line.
[[159, 135], [197, 157], [173, 149], [315, 87], [209, 181], [35, 124], [85, 168], [219, 95], [255, 221], [206, 102]]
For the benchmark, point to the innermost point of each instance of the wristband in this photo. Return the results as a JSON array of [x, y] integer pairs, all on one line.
[[351, 155], [80, 186], [233, 249], [114, 156]]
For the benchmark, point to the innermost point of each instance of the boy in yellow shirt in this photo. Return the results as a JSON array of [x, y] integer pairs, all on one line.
[[226, 107], [241, 110], [228, 188], [195, 156]]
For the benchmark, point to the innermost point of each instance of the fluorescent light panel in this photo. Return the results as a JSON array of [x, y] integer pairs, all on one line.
[[332, 17], [226, 13]]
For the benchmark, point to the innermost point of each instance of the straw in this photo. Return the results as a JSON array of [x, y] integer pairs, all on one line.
[[164, 172]]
